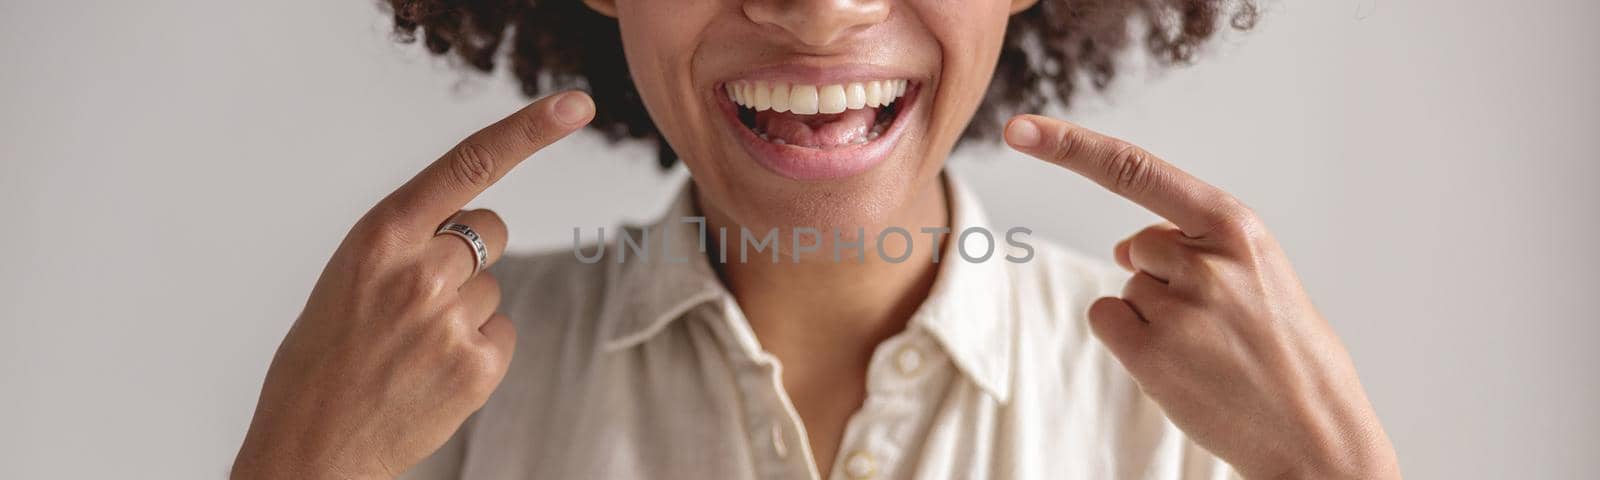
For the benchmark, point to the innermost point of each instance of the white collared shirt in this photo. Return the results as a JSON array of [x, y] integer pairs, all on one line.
[[648, 369]]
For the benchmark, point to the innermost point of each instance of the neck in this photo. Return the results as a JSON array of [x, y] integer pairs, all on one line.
[[847, 304]]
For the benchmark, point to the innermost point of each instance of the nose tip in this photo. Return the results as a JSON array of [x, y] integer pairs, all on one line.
[[817, 23]]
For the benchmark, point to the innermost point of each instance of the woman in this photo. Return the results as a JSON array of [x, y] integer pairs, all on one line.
[[824, 122]]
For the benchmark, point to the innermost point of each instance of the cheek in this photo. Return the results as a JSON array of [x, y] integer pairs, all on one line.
[[969, 35], [660, 40]]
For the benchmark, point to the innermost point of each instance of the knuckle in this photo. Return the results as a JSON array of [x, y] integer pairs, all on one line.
[[1131, 170], [488, 223], [370, 247], [529, 129], [1151, 236], [1143, 290], [1211, 275], [1189, 259], [1213, 266], [1132, 291], [472, 165], [378, 233], [1239, 223], [455, 315], [1105, 315], [479, 369], [1101, 312], [424, 283], [1141, 245], [492, 219], [505, 327], [1070, 143]]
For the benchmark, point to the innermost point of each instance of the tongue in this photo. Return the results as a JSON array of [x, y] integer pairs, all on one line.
[[817, 131]]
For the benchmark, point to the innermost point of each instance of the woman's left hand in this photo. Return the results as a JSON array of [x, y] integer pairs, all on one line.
[[1215, 326]]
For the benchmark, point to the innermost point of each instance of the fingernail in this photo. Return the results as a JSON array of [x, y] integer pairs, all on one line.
[[573, 107], [1022, 133]]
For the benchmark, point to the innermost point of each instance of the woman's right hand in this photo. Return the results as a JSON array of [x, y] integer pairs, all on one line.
[[400, 340]]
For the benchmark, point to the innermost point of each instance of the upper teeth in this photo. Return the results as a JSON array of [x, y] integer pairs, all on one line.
[[812, 99]]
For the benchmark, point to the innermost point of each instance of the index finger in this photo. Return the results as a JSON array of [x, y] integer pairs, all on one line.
[[449, 183], [1195, 206]]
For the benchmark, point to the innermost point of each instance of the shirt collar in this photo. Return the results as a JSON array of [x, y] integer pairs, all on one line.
[[653, 290], [967, 310]]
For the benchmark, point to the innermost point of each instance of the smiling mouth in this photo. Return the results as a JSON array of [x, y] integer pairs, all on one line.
[[818, 131], [822, 117]]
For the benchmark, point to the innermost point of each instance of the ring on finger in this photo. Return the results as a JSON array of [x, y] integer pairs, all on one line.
[[480, 251]]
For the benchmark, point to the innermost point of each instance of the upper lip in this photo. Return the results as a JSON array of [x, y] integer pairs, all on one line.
[[810, 74]]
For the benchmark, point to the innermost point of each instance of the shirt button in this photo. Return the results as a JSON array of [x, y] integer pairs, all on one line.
[[778, 445], [860, 465], [908, 360]]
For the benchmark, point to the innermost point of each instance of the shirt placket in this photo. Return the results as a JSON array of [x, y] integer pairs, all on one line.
[[883, 433], [903, 371], [772, 425]]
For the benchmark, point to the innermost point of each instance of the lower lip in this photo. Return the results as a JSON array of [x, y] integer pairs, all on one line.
[[815, 164]]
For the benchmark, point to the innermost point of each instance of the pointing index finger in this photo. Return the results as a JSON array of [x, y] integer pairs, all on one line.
[[449, 183], [1195, 206]]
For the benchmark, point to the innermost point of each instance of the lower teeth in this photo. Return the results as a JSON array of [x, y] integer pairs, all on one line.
[[886, 116], [877, 131]]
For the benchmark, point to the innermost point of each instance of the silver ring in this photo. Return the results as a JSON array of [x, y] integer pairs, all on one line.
[[480, 252]]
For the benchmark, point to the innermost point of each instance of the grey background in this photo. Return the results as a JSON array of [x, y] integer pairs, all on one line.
[[173, 175]]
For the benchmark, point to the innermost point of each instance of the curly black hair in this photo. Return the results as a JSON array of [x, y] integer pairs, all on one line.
[[1049, 50]]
